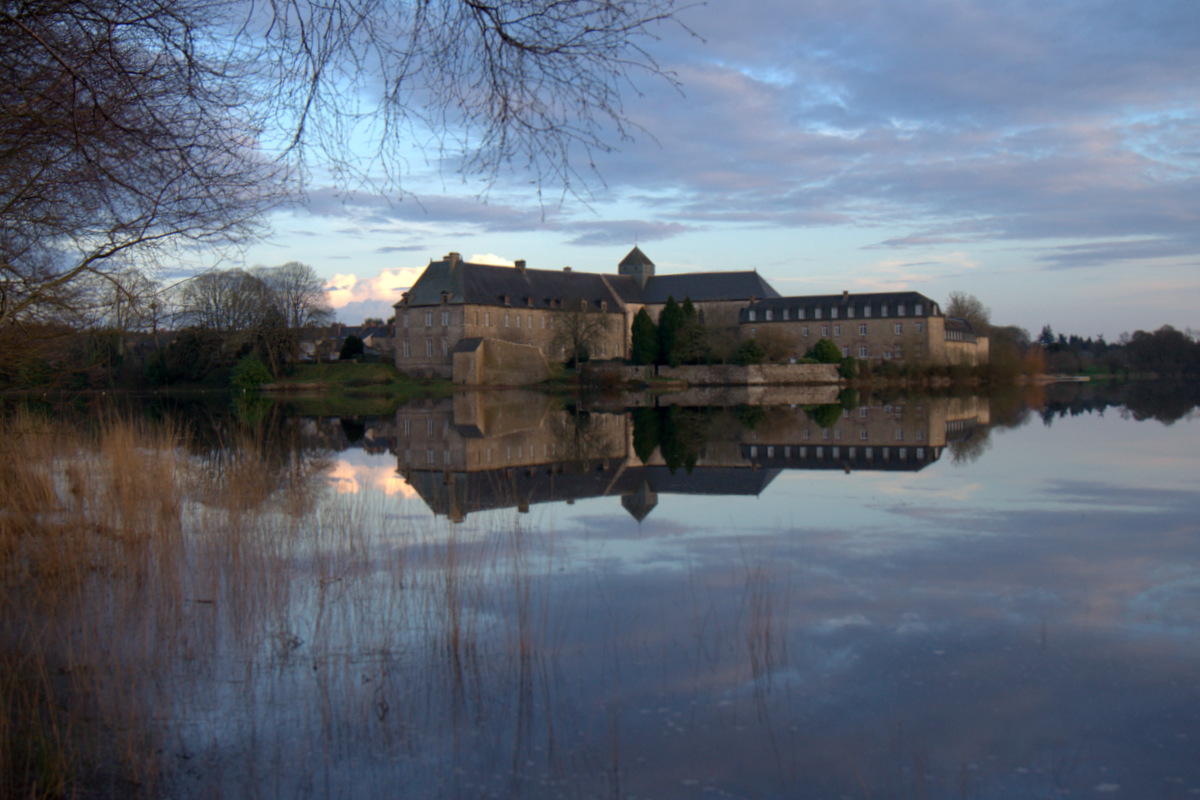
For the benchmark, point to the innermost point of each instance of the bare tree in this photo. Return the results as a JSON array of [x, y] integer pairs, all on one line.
[[121, 134], [299, 294], [962, 305], [580, 332], [136, 131], [493, 83]]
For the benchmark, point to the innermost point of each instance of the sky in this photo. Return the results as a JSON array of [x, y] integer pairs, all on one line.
[[1042, 155]]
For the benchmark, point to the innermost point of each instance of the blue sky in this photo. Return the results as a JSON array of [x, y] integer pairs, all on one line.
[[1044, 156]]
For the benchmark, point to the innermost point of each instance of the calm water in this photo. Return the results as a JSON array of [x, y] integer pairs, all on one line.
[[910, 598]]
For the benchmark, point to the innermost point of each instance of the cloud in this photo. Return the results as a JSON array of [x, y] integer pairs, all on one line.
[[386, 286]]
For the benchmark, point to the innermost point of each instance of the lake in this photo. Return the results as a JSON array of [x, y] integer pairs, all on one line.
[[509, 595]]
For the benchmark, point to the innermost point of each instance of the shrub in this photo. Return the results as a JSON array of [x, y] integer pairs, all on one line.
[[749, 352], [826, 352], [353, 346], [250, 373]]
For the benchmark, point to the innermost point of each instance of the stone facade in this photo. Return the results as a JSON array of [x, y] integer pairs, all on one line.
[[446, 320], [905, 327]]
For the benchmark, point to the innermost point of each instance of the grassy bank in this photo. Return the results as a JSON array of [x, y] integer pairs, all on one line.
[[352, 389]]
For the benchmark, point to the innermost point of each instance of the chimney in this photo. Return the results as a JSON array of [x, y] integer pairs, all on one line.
[[566, 269], [520, 264]]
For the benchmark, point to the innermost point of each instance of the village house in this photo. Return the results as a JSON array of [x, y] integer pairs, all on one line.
[[484, 324]]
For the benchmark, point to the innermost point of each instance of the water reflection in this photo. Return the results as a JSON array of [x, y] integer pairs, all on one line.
[[1025, 623], [489, 450]]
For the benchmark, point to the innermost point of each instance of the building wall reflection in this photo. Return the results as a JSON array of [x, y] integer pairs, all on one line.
[[490, 450]]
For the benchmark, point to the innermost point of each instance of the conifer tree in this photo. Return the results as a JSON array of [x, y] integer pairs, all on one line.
[[668, 331], [645, 339]]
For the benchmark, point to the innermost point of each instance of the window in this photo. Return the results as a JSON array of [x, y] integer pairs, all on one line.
[[429, 347], [837, 330], [862, 330], [862, 351], [445, 319], [428, 318], [899, 328], [824, 330]]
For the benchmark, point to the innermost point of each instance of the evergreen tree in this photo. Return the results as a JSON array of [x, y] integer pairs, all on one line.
[[645, 339], [668, 331]]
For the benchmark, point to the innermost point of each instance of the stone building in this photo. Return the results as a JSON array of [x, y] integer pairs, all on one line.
[[481, 324], [899, 326], [484, 324]]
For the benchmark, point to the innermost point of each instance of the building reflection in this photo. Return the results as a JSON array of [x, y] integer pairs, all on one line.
[[489, 450]]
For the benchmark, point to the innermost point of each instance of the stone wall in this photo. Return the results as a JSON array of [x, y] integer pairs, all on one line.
[[509, 364], [756, 375]]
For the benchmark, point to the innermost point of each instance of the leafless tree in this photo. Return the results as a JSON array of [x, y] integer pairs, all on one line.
[[962, 305], [121, 138], [135, 131], [534, 84], [299, 294]]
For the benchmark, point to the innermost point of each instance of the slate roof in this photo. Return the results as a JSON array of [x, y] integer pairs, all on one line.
[[484, 284], [636, 258], [876, 301], [707, 287]]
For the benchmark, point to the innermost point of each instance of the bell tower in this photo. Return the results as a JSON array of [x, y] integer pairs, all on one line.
[[637, 266]]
